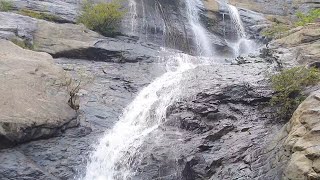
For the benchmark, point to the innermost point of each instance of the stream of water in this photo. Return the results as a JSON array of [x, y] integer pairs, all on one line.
[[113, 156], [201, 35], [242, 45]]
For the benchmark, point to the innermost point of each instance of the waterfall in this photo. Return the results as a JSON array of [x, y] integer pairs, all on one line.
[[113, 155], [201, 37], [133, 15], [236, 20], [242, 45]]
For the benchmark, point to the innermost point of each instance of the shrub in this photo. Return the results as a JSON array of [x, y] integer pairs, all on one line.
[[104, 18], [288, 86], [310, 17], [5, 5], [39, 15], [277, 30]]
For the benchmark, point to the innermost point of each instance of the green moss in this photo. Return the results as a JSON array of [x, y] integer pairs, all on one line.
[[39, 15], [310, 17], [104, 18], [5, 5], [288, 86], [23, 43]]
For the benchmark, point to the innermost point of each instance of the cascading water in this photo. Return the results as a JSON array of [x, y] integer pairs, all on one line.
[[242, 45], [201, 37], [133, 15], [112, 157], [236, 20]]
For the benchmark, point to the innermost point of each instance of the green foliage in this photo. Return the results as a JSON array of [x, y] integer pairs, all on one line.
[[39, 15], [289, 85], [277, 30], [104, 18], [22, 43], [310, 17], [5, 5]]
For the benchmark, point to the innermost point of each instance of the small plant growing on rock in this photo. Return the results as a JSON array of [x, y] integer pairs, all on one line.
[[23, 43], [79, 80], [39, 15], [5, 5], [277, 30], [103, 17], [311, 17], [288, 86]]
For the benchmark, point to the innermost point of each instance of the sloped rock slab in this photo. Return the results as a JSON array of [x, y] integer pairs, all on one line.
[[216, 131]]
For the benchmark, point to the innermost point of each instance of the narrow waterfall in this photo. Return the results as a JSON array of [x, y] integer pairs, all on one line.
[[133, 15], [113, 155], [201, 36], [242, 45], [236, 20]]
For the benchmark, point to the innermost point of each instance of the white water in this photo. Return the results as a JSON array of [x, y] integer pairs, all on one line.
[[113, 155], [133, 15], [201, 36], [243, 45]]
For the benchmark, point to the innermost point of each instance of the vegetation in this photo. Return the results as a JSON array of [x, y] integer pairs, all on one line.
[[310, 17], [39, 15], [5, 5], [23, 44], [103, 17], [289, 85], [277, 30]]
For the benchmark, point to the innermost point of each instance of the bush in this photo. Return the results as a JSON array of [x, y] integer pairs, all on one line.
[[104, 18], [277, 30], [5, 5], [310, 17], [288, 86], [39, 15]]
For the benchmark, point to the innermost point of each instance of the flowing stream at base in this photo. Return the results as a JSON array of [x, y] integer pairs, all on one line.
[[113, 155]]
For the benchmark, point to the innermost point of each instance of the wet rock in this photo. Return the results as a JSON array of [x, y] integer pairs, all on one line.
[[217, 131], [34, 98], [14, 165]]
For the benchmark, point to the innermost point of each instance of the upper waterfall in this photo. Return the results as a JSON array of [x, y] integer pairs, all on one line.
[[201, 35], [242, 45], [236, 20]]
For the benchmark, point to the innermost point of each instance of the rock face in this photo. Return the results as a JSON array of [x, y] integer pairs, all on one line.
[[34, 96], [218, 131], [295, 154], [301, 46], [66, 10]]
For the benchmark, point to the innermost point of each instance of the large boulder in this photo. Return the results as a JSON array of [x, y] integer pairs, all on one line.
[[303, 141], [295, 153], [301, 46], [34, 95]]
